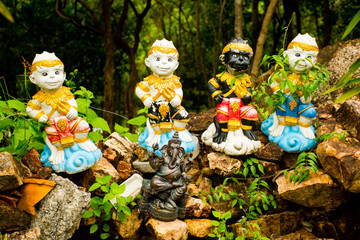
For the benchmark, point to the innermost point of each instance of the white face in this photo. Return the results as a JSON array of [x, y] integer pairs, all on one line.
[[162, 64], [300, 60], [48, 78]]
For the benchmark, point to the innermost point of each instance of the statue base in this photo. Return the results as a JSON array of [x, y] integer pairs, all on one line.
[[164, 138], [291, 139], [151, 207], [236, 143], [76, 159]]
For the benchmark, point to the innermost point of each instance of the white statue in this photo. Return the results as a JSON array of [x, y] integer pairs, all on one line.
[[162, 93], [56, 105]]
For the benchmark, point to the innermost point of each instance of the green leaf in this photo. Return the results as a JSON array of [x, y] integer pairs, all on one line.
[[348, 95], [131, 136], [120, 129], [83, 105], [5, 12], [138, 121], [261, 168], [106, 217], [97, 212], [104, 180], [105, 188], [106, 227], [227, 215], [216, 197], [351, 25], [16, 104], [121, 216], [6, 123], [253, 170], [95, 136], [245, 172], [101, 123], [216, 214], [127, 210], [94, 186], [94, 228], [104, 235], [88, 214], [108, 197]]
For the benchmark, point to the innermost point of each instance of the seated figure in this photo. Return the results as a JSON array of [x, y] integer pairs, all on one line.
[[235, 117], [162, 93], [68, 148], [290, 125], [164, 197]]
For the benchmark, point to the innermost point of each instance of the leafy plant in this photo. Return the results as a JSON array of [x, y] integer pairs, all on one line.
[[326, 136], [308, 83], [139, 122], [307, 161], [5, 12], [99, 124], [220, 231], [250, 166], [18, 132], [102, 207], [345, 80], [253, 204]]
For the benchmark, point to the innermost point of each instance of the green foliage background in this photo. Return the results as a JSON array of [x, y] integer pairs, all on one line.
[[37, 28]]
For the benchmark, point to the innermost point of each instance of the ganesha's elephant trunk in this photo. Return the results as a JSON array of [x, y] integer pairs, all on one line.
[[172, 163]]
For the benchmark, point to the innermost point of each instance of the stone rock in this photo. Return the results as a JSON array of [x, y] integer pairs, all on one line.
[[30, 234], [279, 224], [348, 116], [196, 207], [198, 123], [270, 152], [175, 230], [32, 160], [10, 172], [203, 156], [224, 206], [300, 234], [199, 227], [110, 154], [202, 184], [141, 153], [207, 172], [318, 191], [143, 167], [101, 168], [60, 212], [328, 126], [12, 218], [337, 59], [289, 160], [342, 161], [223, 164], [325, 229], [270, 168], [130, 229], [123, 147], [194, 173], [125, 170], [325, 112]]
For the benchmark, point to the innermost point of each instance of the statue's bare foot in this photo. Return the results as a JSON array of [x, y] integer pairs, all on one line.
[[277, 131], [88, 146], [154, 140], [56, 157], [307, 132], [185, 136]]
